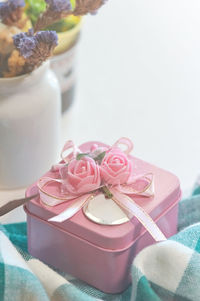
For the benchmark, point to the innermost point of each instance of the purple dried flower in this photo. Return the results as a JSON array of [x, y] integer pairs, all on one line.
[[35, 48], [56, 10], [17, 3], [18, 37], [10, 10], [25, 42], [47, 37], [84, 7], [26, 46], [59, 5]]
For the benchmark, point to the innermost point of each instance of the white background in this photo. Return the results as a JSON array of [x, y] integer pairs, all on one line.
[[138, 76]]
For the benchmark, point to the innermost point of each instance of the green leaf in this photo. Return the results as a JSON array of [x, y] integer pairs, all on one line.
[[100, 156], [106, 192], [34, 8], [73, 3], [62, 25], [80, 156]]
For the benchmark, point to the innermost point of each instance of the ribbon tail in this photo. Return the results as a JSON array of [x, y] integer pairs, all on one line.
[[133, 209], [126, 142], [78, 203], [57, 167]]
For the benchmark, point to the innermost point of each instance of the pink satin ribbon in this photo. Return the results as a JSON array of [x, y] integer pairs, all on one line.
[[120, 193]]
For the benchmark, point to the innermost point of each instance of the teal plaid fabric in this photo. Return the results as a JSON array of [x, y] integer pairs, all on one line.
[[165, 271]]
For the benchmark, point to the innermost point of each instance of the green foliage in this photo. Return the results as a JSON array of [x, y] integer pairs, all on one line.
[[100, 157], [62, 25], [106, 192], [80, 156], [73, 3], [34, 8]]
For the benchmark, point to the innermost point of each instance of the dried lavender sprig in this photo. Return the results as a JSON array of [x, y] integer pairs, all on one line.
[[84, 7], [59, 5], [35, 48], [56, 10], [11, 11], [25, 42]]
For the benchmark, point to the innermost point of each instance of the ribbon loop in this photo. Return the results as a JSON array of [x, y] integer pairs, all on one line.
[[142, 186], [52, 199], [75, 150], [72, 209], [124, 141]]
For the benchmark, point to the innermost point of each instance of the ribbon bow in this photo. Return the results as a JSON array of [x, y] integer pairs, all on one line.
[[110, 172]]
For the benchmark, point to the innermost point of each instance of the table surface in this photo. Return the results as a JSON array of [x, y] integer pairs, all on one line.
[[138, 71]]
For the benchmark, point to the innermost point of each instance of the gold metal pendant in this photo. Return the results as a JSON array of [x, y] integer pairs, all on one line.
[[104, 211]]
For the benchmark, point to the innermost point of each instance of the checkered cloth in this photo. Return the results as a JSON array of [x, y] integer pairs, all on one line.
[[165, 271]]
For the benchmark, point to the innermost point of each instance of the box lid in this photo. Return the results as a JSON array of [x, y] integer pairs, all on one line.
[[167, 192]]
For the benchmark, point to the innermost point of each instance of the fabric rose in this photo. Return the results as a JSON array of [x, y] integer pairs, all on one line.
[[81, 176], [116, 167]]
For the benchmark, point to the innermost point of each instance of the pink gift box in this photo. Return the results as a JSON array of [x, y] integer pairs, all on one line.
[[101, 255]]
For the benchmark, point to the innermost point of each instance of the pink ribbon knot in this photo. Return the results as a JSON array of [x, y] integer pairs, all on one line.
[[108, 170]]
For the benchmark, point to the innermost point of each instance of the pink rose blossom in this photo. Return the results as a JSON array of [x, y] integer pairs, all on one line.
[[81, 176], [116, 167]]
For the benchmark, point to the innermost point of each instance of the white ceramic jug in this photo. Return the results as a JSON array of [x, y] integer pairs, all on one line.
[[30, 116]]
